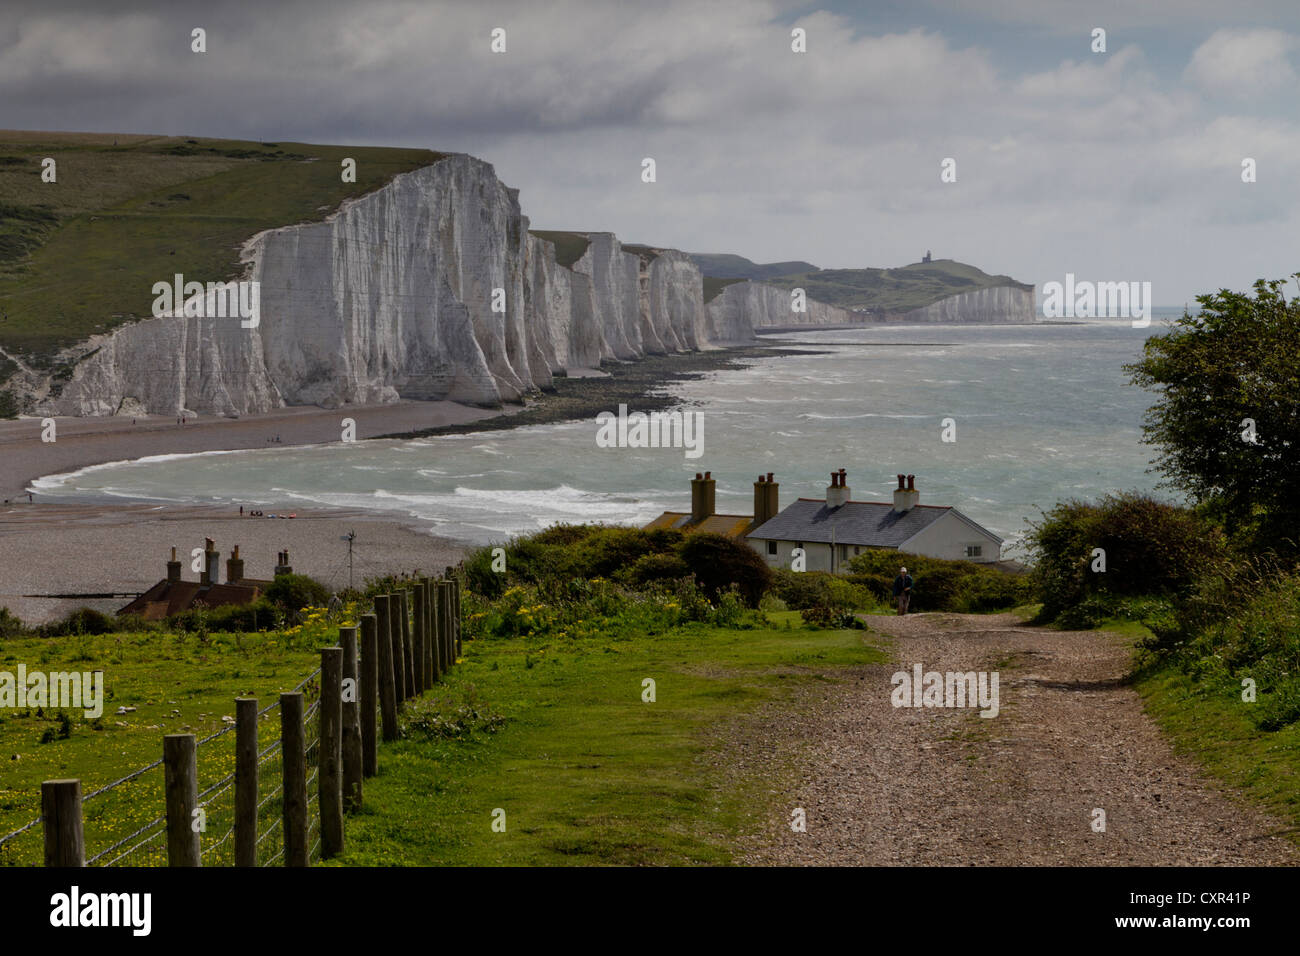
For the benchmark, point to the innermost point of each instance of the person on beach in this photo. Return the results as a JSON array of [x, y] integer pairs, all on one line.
[[903, 590]]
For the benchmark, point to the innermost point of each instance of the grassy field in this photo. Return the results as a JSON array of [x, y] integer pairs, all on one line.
[[81, 255], [176, 684], [555, 734]]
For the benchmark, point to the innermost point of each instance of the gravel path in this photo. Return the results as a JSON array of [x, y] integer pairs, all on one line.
[[943, 786]]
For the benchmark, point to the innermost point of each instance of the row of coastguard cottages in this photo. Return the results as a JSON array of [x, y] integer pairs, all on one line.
[[834, 529]]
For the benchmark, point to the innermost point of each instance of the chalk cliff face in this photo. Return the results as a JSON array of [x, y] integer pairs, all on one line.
[[393, 297], [998, 305], [743, 307]]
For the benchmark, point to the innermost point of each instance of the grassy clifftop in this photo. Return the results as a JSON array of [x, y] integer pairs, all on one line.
[[80, 255], [881, 290]]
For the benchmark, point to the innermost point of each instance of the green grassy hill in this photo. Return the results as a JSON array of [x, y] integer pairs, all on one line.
[[727, 266], [881, 290], [80, 256]]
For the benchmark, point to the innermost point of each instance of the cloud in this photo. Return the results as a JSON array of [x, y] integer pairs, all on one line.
[[1078, 162], [1244, 63]]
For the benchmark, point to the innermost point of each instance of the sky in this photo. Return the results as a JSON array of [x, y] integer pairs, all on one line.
[[1122, 165]]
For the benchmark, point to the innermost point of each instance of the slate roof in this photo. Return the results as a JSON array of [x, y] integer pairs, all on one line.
[[733, 526], [874, 524]]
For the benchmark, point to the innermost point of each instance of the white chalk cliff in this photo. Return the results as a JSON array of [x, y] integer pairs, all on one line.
[[391, 297], [990, 306]]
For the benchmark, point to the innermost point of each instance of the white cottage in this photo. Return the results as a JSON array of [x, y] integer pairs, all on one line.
[[832, 531]]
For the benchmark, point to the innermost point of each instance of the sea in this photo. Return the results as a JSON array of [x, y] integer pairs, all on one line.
[[1002, 422]]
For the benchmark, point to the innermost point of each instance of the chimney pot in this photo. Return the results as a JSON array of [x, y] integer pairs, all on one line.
[[699, 476], [708, 476], [769, 476], [911, 482]]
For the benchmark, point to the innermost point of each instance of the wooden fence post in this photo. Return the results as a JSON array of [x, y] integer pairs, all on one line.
[[65, 843], [439, 631], [448, 638], [388, 668], [429, 646], [404, 618], [390, 629], [351, 721], [417, 635], [370, 660], [293, 760], [329, 762], [455, 615], [181, 787], [245, 781]]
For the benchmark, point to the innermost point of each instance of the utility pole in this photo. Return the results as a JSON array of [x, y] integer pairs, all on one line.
[[349, 538]]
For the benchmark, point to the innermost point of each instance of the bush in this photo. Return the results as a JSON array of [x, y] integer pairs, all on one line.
[[1151, 548], [961, 587], [229, 617], [719, 562], [835, 618], [10, 626], [293, 592], [800, 590], [650, 568], [84, 620]]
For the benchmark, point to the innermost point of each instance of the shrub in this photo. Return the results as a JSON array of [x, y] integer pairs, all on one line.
[[719, 562], [229, 617], [84, 620], [798, 590], [10, 626], [293, 592], [1151, 548], [835, 618], [658, 567], [962, 587]]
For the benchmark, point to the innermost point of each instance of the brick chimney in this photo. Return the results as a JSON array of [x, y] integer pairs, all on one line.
[[765, 499], [703, 492], [282, 563], [906, 496], [211, 564], [837, 493], [173, 568], [234, 567]]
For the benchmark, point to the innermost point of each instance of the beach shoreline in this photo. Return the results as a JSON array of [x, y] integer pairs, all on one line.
[[61, 545]]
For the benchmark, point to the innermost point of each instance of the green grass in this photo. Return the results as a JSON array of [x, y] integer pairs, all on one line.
[[555, 734], [177, 685], [586, 772], [81, 255]]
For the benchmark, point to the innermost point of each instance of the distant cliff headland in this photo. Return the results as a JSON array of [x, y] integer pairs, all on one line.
[[421, 279]]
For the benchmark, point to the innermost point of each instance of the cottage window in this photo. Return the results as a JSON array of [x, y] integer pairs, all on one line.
[[771, 547], [974, 550]]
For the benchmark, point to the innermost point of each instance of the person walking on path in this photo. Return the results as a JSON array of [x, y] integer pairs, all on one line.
[[903, 590]]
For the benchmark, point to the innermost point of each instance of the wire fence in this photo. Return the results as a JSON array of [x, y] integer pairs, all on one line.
[[119, 820], [118, 825]]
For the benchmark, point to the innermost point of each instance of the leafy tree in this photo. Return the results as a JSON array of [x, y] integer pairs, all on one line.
[[1234, 361]]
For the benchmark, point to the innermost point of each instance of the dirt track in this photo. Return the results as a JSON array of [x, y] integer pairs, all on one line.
[[943, 786]]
